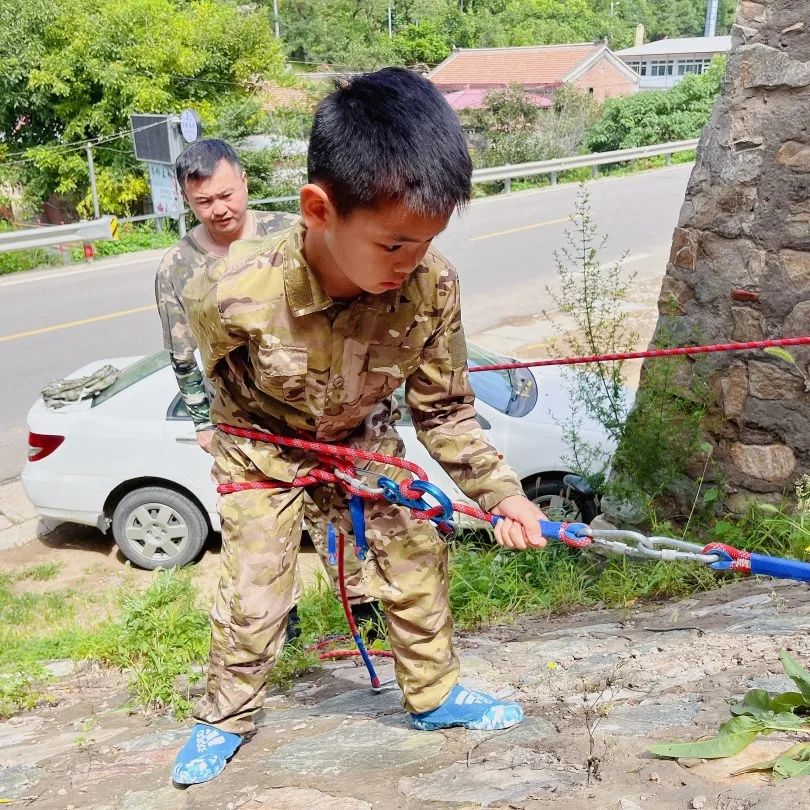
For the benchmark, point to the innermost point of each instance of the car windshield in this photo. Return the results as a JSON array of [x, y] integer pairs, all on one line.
[[134, 373]]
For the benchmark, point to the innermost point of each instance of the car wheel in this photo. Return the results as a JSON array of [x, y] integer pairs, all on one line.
[[550, 496], [157, 527]]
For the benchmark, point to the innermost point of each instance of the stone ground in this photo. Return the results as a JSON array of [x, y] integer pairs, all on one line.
[[330, 742]]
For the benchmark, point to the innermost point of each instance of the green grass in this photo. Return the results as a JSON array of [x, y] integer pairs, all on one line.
[[489, 585], [20, 260]]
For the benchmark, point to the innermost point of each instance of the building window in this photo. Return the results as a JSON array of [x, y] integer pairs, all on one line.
[[690, 66], [660, 67], [639, 67]]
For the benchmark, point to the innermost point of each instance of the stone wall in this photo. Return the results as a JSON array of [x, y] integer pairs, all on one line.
[[739, 268]]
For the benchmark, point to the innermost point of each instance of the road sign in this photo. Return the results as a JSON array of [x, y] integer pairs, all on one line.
[[167, 199], [114, 229], [190, 126]]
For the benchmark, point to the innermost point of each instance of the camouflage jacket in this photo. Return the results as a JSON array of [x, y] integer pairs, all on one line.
[[181, 262], [282, 356]]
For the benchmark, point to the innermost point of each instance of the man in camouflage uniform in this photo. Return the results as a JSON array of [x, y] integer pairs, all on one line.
[[214, 184], [308, 334]]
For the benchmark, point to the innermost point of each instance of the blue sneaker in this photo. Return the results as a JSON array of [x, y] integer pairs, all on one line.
[[469, 709], [205, 755]]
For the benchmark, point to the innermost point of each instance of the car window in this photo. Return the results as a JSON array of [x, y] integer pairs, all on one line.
[[513, 392], [134, 373], [178, 410]]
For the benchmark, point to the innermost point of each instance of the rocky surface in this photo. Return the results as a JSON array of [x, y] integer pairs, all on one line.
[[739, 268], [655, 673]]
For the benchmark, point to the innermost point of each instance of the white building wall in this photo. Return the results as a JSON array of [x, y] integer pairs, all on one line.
[[662, 71]]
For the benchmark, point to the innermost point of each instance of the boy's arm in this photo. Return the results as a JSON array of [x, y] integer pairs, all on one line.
[[179, 341], [441, 402]]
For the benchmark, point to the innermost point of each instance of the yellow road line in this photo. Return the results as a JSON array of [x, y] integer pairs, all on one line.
[[521, 228], [70, 324]]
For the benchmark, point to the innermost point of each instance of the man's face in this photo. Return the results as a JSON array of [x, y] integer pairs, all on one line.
[[220, 201], [376, 249]]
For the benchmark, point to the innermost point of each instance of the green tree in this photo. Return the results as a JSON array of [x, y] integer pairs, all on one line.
[[86, 67], [657, 117]]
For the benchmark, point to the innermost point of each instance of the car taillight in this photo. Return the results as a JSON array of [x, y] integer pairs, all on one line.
[[41, 445]]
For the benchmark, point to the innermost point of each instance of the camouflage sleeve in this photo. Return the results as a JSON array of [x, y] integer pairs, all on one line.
[[179, 342], [441, 402], [178, 338], [192, 391]]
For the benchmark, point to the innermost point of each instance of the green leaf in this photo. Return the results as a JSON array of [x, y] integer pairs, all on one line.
[[782, 354], [735, 735], [788, 701], [793, 762], [798, 674], [785, 721], [756, 703]]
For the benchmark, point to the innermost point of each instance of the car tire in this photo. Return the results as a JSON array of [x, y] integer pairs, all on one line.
[[549, 495], [156, 527]]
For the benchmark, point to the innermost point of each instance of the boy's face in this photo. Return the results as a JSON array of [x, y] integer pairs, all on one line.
[[220, 201], [372, 249]]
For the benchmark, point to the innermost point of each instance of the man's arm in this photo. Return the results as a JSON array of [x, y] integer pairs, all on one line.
[[180, 343]]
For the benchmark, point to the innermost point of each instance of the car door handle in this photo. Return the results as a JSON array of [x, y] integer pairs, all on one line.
[[186, 439]]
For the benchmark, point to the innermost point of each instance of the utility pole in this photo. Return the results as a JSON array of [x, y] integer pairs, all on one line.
[[711, 19], [275, 19], [93, 190], [390, 26]]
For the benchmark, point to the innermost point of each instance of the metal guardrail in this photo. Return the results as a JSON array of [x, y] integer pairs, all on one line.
[[107, 227], [51, 235], [553, 167], [517, 170]]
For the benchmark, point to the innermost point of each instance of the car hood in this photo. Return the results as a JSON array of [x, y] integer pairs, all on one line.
[[555, 403]]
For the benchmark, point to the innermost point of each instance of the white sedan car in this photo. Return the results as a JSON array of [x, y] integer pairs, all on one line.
[[128, 459]]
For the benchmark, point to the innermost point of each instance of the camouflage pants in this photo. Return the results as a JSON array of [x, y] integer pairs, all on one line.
[[406, 570]]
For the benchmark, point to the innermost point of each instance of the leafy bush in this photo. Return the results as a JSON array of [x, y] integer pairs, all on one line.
[[658, 116]]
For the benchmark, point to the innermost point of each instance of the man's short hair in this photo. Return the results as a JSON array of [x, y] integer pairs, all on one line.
[[389, 136], [200, 160]]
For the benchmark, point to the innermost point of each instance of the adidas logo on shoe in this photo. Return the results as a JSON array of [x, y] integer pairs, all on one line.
[[207, 738]]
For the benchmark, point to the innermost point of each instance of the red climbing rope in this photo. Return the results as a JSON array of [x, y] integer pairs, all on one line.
[[687, 350], [740, 559]]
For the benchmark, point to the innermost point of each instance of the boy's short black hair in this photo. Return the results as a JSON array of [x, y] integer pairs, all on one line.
[[200, 160], [389, 136]]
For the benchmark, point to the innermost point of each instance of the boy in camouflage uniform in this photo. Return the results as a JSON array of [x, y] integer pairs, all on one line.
[[214, 185], [308, 334]]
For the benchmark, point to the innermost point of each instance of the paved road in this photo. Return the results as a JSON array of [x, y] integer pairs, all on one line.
[[53, 322]]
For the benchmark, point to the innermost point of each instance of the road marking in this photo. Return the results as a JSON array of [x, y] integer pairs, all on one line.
[[70, 324], [521, 228]]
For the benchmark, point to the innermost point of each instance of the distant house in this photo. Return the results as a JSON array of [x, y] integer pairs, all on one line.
[[539, 69], [663, 63]]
